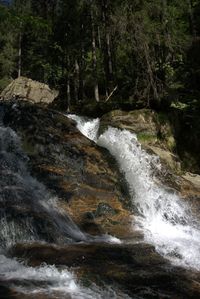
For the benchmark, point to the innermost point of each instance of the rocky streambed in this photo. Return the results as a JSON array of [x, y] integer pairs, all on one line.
[[107, 255]]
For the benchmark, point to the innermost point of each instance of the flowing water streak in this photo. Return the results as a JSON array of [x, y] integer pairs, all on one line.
[[87, 127], [19, 193], [22, 200], [165, 219], [27, 211]]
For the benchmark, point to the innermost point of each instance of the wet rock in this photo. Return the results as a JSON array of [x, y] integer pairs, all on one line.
[[193, 178], [138, 121], [27, 89], [104, 209], [135, 269], [80, 174]]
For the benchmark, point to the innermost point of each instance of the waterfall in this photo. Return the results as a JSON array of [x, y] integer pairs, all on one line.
[[87, 127], [165, 219]]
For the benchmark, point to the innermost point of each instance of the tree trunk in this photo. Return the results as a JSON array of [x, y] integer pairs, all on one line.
[[150, 72], [81, 85], [68, 95], [20, 54], [94, 57], [76, 81], [107, 50], [192, 20], [68, 85], [99, 37]]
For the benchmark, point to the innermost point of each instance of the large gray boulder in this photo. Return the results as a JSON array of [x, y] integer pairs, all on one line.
[[27, 89]]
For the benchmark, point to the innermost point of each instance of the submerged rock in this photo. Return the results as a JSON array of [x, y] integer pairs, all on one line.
[[27, 89]]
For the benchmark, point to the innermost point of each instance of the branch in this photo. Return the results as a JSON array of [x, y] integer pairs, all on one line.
[[110, 95]]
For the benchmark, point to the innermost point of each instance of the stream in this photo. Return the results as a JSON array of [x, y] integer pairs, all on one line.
[[30, 215]]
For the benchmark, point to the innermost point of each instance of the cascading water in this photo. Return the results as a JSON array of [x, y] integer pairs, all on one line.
[[89, 128], [28, 213], [165, 219]]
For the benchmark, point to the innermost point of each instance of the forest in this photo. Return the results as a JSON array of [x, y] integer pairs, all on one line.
[[141, 53]]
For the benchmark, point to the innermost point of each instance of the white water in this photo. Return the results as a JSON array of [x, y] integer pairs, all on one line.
[[22, 198], [89, 128], [49, 280], [165, 219]]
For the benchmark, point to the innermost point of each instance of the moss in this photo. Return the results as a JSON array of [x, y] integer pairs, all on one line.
[[146, 138], [162, 118], [166, 131], [171, 143], [4, 82]]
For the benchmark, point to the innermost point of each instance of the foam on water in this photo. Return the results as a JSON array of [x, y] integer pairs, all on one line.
[[50, 280], [88, 128], [166, 221]]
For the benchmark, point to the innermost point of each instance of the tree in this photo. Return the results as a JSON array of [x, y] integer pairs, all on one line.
[[85, 48], [8, 51]]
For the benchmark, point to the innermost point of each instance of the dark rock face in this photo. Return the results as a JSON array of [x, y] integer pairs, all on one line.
[[82, 175]]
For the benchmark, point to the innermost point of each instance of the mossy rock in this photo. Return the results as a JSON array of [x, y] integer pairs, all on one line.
[[146, 138], [154, 131]]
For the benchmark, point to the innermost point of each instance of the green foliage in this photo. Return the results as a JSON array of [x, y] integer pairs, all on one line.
[[7, 46], [149, 48]]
